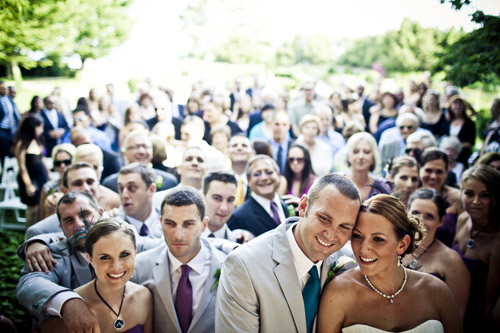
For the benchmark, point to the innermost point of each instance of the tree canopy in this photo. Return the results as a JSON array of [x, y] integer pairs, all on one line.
[[476, 56], [34, 32]]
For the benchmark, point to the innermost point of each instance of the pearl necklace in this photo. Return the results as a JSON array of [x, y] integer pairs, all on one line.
[[390, 297]]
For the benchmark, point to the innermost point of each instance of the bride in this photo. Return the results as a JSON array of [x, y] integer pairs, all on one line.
[[118, 304], [381, 295]]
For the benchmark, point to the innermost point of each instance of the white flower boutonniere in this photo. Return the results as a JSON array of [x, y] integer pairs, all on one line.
[[338, 266]]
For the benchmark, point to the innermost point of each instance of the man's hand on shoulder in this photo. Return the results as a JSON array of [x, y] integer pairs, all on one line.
[[77, 317], [39, 257]]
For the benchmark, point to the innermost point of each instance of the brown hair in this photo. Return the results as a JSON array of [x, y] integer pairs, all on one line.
[[394, 211]]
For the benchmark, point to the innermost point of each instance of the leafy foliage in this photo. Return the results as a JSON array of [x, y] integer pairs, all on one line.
[[411, 48], [476, 56], [34, 32], [10, 272]]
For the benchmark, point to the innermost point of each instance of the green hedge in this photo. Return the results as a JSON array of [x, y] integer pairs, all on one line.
[[10, 268]]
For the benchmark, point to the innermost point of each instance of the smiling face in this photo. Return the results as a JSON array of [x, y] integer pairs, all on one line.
[[113, 259], [240, 149], [476, 198], [361, 158], [139, 149], [61, 162], [182, 227], [428, 210], [264, 179], [326, 224], [406, 180], [375, 244], [433, 174], [212, 113], [135, 196], [220, 203]]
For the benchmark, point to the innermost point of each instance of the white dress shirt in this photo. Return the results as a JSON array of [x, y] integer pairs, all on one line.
[[153, 222], [301, 262], [198, 275], [266, 204]]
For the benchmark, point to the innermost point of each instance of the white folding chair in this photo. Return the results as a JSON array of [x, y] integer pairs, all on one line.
[[11, 200]]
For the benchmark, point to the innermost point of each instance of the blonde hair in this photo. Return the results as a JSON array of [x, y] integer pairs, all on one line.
[[364, 136], [310, 118]]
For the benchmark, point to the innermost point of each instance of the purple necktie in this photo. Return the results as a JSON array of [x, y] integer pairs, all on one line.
[[184, 299], [144, 230], [274, 209]]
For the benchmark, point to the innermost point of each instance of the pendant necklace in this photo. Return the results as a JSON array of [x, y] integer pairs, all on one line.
[[390, 297], [119, 323], [470, 243], [414, 263]]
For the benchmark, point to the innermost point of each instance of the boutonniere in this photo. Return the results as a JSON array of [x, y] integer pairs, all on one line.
[[337, 267], [217, 277]]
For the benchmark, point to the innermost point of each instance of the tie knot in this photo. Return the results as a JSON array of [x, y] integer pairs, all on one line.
[[313, 272], [185, 270]]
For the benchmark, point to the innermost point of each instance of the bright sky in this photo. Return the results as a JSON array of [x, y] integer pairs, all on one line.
[[157, 40]]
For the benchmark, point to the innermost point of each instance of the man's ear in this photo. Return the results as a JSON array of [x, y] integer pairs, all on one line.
[[152, 187], [303, 203], [64, 190], [101, 211], [205, 222]]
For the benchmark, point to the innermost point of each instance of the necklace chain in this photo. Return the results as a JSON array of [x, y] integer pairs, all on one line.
[[118, 323], [414, 262], [390, 297]]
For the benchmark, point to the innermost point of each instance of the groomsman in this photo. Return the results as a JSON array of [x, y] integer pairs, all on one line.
[[9, 119], [182, 274]]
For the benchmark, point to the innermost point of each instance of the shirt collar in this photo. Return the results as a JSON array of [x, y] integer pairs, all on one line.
[[196, 264], [150, 220], [266, 203], [221, 233], [302, 263]]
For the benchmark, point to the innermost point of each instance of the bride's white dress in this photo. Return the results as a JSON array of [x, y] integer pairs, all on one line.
[[429, 326]]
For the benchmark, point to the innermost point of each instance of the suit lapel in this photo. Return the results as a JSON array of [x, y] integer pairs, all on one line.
[[264, 218], [208, 294], [286, 275], [161, 276], [82, 269]]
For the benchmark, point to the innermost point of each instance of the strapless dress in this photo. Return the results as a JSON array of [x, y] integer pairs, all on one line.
[[136, 329], [429, 326]]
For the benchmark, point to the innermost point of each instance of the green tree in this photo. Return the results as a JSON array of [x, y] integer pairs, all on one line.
[[33, 32], [411, 48], [476, 56]]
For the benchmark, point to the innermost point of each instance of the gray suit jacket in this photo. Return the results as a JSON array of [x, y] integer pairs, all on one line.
[[36, 288], [47, 225], [153, 271], [259, 289]]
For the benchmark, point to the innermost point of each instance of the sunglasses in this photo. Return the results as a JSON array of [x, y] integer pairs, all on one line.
[[407, 127], [296, 159], [59, 163], [416, 151]]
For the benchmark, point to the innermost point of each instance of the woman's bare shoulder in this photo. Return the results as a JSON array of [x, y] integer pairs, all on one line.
[[343, 285]]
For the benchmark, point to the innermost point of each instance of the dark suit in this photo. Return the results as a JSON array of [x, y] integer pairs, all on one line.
[[7, 135], [285, 154], [111, 163], [48, 126], [253, 217], [367, 104]]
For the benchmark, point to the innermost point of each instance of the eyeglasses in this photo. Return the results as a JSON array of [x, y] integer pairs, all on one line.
[[407, 127], [65, 162], [137, 147], [296, 159]]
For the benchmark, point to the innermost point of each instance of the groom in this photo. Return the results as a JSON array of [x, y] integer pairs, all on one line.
[[273, 283]]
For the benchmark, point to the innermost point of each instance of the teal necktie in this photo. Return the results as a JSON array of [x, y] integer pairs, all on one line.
[[310, 293]]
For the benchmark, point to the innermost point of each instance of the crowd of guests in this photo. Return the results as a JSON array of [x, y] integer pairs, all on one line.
[[391, 180]]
